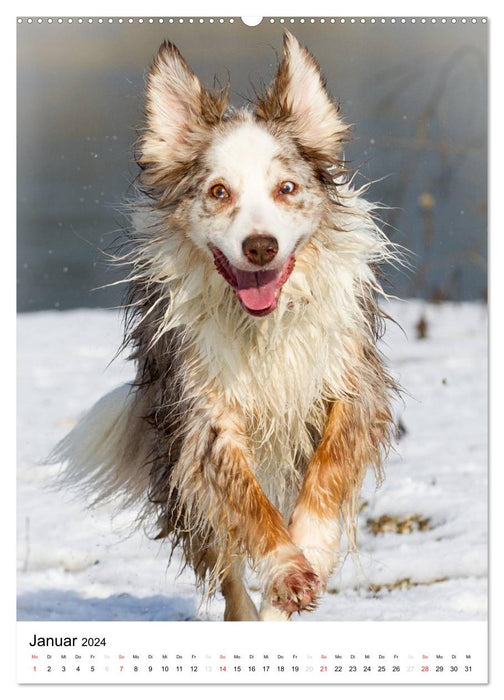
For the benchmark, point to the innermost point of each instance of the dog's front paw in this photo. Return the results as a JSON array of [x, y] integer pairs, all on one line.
[[297, 587]]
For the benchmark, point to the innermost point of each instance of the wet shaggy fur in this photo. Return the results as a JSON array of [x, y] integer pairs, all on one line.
[[246, 434]]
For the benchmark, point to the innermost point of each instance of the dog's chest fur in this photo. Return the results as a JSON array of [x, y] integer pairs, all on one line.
[[278, 372], [277, 382]]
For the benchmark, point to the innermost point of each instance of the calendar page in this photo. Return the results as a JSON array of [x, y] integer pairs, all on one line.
[[252, 350]]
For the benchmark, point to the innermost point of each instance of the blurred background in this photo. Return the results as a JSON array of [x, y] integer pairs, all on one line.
[[415, 93]]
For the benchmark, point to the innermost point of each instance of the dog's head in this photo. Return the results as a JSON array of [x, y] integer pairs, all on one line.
[[247, 187]]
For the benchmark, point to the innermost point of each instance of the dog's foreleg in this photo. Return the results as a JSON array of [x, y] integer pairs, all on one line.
[[219, 497], [331, 485]]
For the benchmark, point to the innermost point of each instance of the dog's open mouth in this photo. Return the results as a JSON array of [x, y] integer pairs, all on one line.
[[257, 291]]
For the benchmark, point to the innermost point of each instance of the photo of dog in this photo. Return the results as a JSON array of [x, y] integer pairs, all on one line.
[[260, 397]]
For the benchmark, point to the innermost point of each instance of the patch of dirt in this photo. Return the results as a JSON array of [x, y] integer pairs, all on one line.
[[405, 524]]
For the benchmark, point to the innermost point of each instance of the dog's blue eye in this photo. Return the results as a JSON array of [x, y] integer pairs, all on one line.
[[219, 192], [287, 187]]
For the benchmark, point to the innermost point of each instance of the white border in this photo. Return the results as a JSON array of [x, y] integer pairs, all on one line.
[[426, 8]]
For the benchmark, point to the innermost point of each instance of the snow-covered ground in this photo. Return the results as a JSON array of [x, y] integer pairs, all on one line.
[[423, 533]]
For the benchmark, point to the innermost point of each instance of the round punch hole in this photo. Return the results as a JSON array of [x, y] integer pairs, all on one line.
[[251, 21]]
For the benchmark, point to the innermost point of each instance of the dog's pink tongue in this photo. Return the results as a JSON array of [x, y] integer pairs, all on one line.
[[257, 290]]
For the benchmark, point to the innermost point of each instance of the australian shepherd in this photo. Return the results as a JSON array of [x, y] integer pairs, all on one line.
[[260, 396]]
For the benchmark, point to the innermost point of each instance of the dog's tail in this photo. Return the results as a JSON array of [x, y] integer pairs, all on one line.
[[106, 454]]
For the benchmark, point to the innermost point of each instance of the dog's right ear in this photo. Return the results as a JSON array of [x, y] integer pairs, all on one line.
[[177, 109], [173, 96]]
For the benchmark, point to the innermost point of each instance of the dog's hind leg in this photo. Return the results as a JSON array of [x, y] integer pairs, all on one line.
[[239, 605]]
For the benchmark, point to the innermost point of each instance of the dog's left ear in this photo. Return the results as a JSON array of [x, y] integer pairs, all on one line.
[[298, 97]]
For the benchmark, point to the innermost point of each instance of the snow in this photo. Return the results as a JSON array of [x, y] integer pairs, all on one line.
[[80, 564]]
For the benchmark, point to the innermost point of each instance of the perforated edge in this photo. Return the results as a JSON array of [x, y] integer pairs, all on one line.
[[265, 20]]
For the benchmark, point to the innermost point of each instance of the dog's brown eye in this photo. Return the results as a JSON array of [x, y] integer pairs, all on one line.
[[219, 192], [287, 187]]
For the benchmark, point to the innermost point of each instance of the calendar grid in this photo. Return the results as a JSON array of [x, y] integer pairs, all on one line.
[[192, 652]]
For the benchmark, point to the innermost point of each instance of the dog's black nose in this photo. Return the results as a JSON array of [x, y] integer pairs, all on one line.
[[260, 249]]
